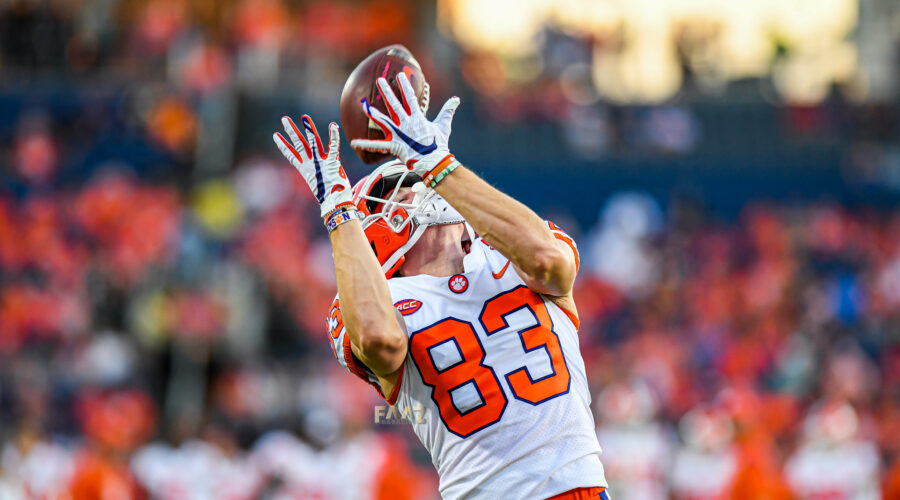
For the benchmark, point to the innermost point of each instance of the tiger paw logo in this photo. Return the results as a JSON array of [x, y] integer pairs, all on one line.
[[458, 283]]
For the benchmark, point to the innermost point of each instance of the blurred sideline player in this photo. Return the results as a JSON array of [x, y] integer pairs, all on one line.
[[833, 461], [706, 465], [478, 333], [636, 448]]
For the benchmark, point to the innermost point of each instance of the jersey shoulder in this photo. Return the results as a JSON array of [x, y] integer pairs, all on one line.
[[340, 347], [563, 236], [499, 263]]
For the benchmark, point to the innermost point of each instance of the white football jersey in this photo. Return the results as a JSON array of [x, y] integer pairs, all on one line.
[[847, 470], [494, 383], [637, 457]]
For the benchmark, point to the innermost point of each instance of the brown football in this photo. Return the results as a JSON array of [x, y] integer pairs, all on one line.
[[386, 62]]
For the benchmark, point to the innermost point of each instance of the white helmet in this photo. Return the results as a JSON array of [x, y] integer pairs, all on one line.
[[393, 227]]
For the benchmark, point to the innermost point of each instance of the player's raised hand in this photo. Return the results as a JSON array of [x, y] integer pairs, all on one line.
[[409, 136], [321, 168]]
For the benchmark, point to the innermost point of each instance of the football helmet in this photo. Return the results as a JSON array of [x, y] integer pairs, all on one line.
[[393, 226]]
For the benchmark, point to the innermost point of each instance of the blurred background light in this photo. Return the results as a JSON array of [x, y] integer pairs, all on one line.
[[640, 45]]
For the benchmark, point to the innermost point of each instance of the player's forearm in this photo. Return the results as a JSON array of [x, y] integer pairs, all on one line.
[[512, 228], [507, 224], [366, 307]]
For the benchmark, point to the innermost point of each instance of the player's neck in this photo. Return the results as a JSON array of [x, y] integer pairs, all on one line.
[[435, 254], [434, 268]]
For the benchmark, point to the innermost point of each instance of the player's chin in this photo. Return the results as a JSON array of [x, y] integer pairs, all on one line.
[[453, 234]]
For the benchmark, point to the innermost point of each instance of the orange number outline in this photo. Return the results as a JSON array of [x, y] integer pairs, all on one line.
[[463, 424], [493, 320], [335, 319], [524, 387]]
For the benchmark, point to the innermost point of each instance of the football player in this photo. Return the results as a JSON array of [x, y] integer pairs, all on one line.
[[463, 315]]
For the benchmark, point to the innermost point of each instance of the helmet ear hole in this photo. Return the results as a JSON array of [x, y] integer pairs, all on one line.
[[397, 218]]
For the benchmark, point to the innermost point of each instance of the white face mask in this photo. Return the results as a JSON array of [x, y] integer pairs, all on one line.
[[432, 209], [427, 208]]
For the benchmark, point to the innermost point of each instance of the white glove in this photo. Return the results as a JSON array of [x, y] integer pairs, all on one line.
[[321, 169], [409, 136]]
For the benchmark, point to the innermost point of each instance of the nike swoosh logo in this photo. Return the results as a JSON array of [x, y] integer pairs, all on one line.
[[501, 273], [417, 146]]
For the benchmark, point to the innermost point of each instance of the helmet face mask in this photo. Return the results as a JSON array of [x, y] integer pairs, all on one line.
[[392, 222], [382, 198]]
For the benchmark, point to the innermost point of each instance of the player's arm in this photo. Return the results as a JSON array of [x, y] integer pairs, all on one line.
[[546, 263], [377, 338]]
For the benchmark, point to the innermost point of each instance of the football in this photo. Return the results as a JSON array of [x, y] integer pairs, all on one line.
[[386, 62]]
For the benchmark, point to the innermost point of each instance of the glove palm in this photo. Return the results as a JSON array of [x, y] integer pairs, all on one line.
[[409, 136], [320, 168]]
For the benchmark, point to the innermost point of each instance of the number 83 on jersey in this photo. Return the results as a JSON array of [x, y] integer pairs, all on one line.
[[468, 374]]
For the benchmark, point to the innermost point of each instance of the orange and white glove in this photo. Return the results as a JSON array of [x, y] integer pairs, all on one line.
[[321, 168], [421, 144]]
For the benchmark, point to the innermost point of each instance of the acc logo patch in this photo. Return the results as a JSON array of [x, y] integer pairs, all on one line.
[[408, 306], [458, 283]]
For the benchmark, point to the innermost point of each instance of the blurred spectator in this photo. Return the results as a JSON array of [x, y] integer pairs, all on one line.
[[33, 466], [161, 329], [832, 461], [636, 447], [33, 34], [705, 464], [35, 152], [196, 469], [172, 123], [618, 250]]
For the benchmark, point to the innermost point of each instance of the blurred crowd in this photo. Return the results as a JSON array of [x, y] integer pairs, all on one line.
[[174, 344], [162, 343], [755, 359], [199, 44], [162, 327]]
